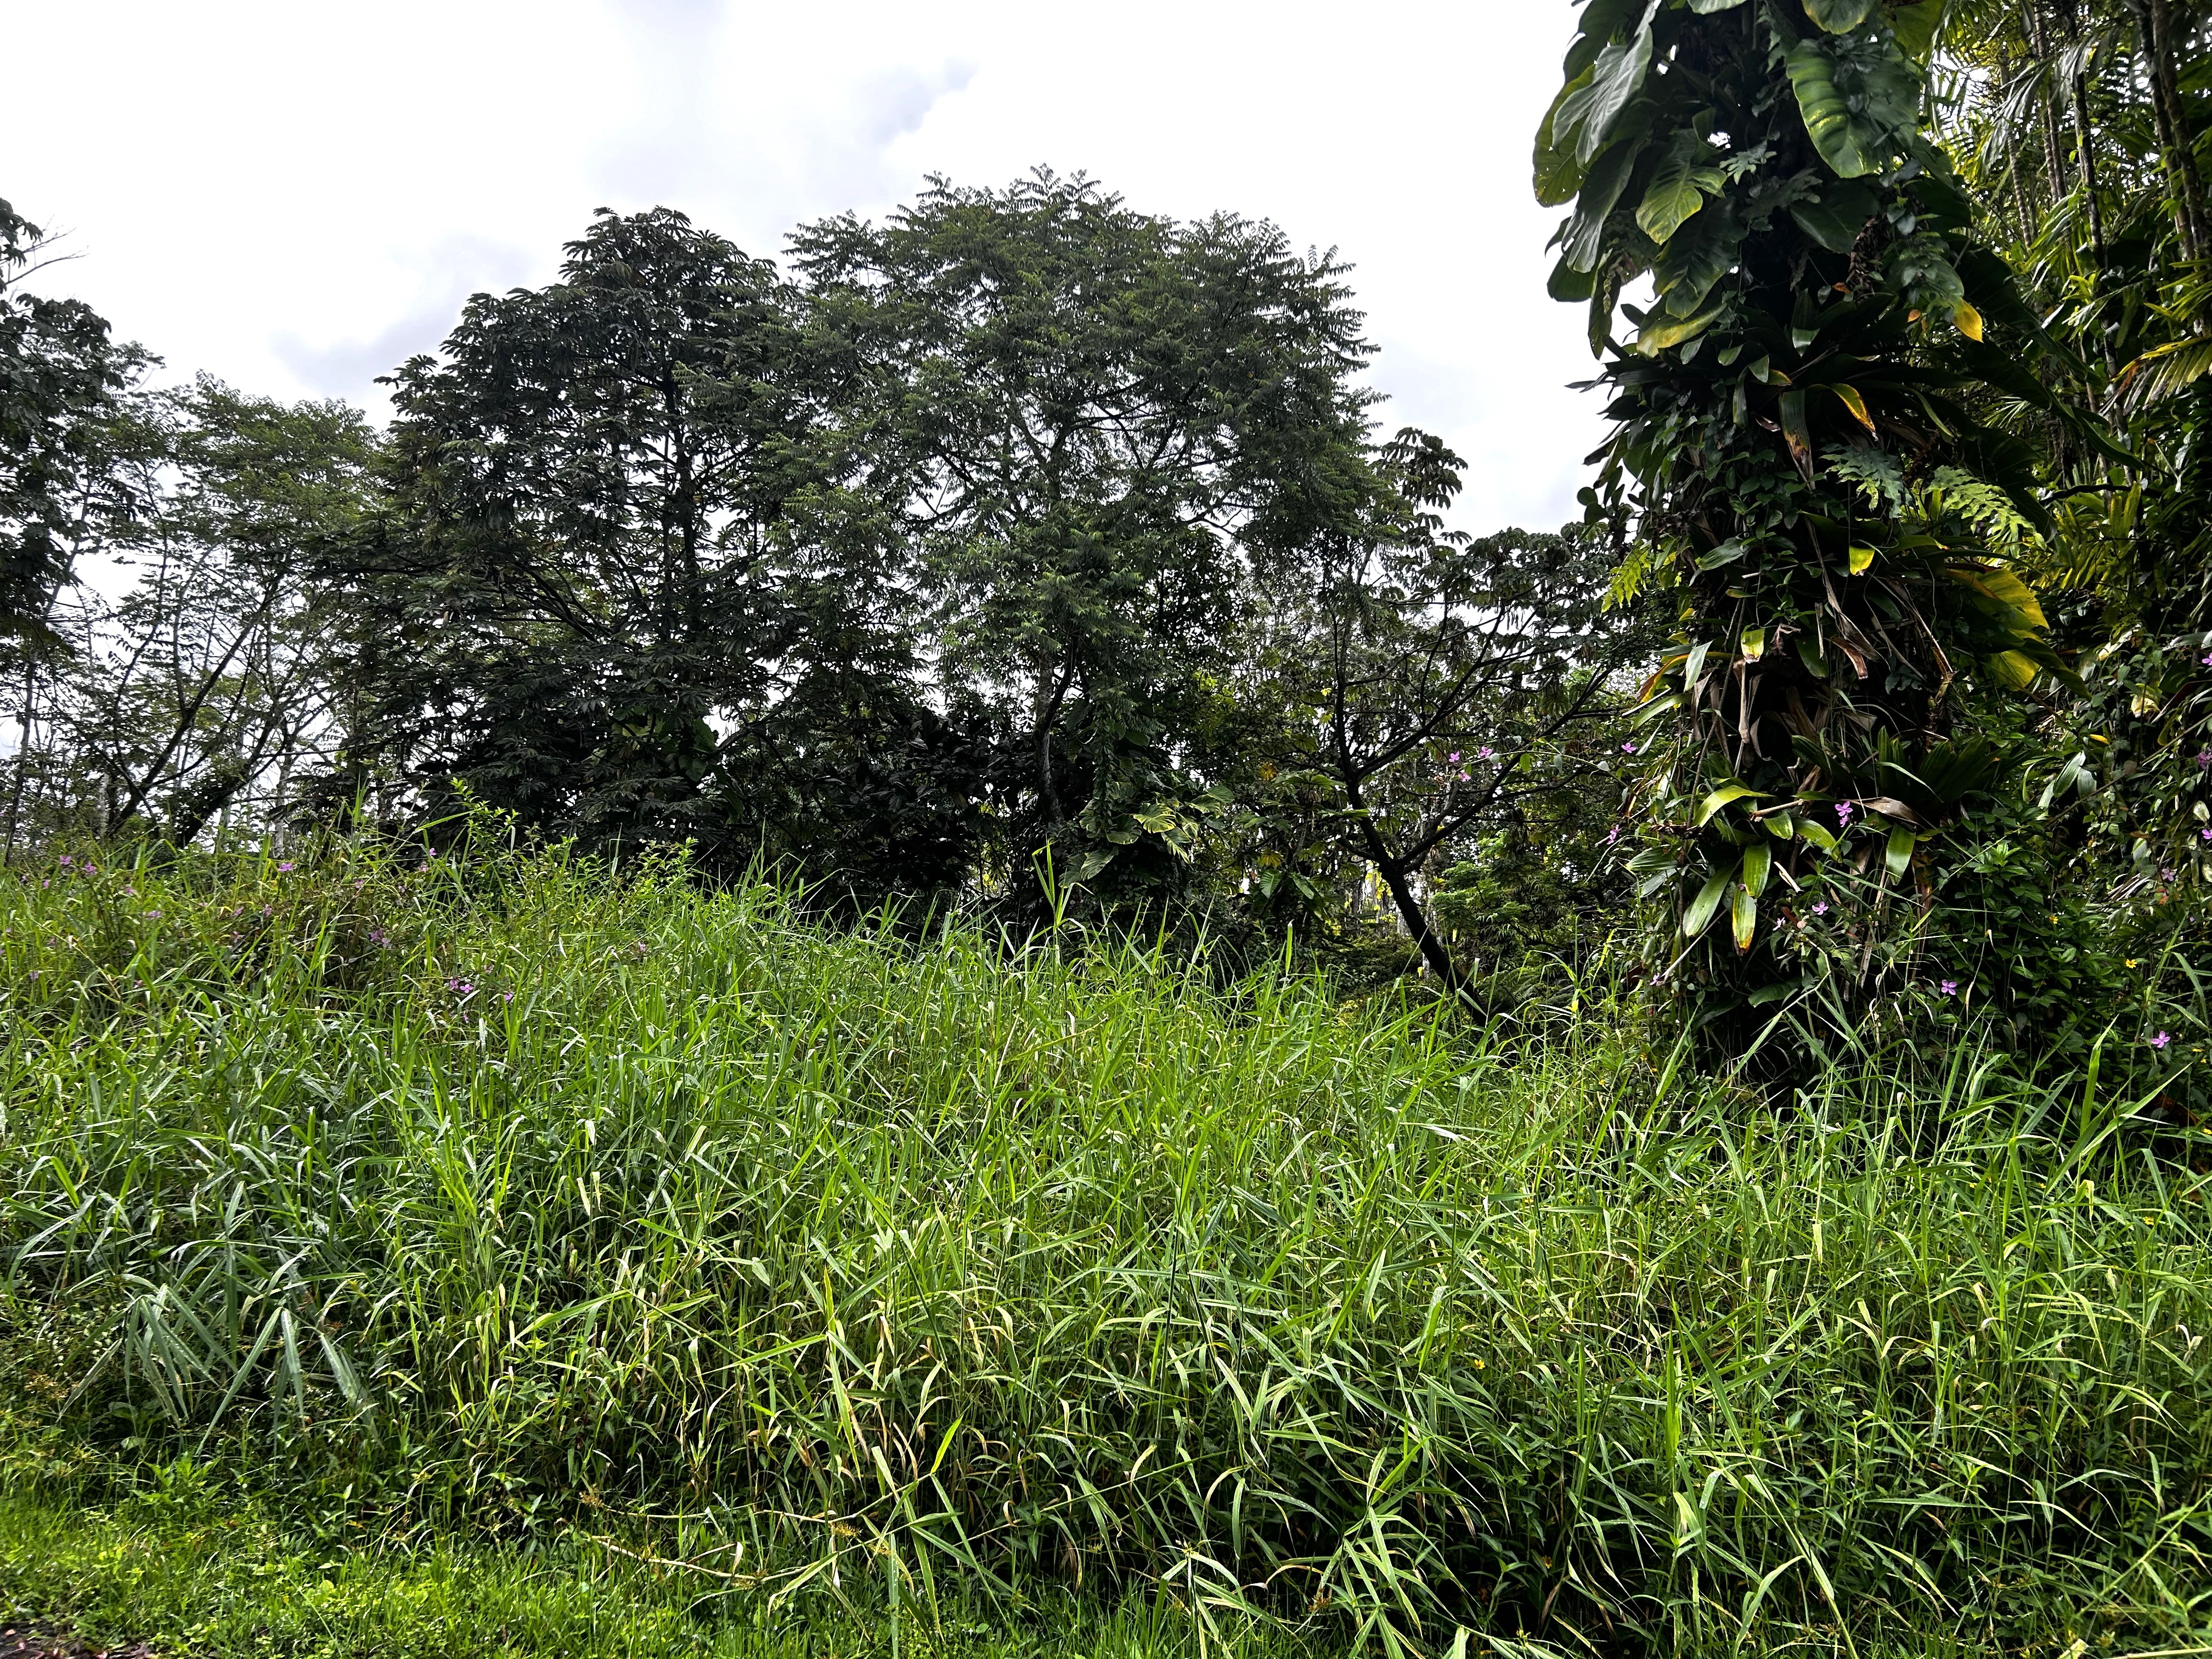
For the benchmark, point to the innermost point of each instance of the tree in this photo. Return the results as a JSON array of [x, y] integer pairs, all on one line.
[[1090, 427], [572, 596], [1433, 685], [212, 669], [1803, 453], [2093, 119]]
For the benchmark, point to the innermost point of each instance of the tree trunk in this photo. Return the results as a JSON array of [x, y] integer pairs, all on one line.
[[1396, 877], [2154, 39], [23, 757]]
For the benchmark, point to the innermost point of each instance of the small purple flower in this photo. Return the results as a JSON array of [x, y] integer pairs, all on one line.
[[2203, 764], [506, 996], [2206, 659], [130, 892], [1452, 759], [2207, 834], [1819, 906], [1628, 748], [152, 915], [2161, 1040], [1612, 834], [1485, 753], [65, 861], [282, 868], [1844, 810], [378, 936], [1949, 987]]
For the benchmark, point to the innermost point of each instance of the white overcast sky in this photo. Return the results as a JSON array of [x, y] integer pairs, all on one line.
[[293, 197]]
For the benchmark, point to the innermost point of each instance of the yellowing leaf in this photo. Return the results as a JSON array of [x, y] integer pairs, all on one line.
[[1839, 16], [2017, 671], [1745, 917], [1754, 644], [1861, 557], [1856, 405], [1968, 319]]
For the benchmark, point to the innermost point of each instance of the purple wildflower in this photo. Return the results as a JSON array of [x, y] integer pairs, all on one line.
[[1819, 906], [1612, 834], [1485, 753], [1844, 810], [2207, 834], [152, 915], [1452, 759], [1628, 748], [2203, 764], [506, 996], [282, 868], [2161, 1040], [65, 861], [1949, 987]]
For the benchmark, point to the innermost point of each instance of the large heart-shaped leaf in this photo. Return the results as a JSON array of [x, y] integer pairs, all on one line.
[[1585, 118], [1697, 258], [1601, 193], [1678, 186], [1846, 142], [1839, 16], [1559, 175]]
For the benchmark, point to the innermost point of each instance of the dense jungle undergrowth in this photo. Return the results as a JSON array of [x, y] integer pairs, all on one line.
[[492, 1254]]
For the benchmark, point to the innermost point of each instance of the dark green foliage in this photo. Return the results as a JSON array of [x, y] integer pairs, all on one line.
[[1088, 425], [62, 385], [577, 577], [1800, 453]]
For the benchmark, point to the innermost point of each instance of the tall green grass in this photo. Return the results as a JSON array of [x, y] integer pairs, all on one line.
[[509, 1196]]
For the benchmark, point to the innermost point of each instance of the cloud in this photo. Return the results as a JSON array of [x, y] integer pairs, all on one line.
[[446, 275]]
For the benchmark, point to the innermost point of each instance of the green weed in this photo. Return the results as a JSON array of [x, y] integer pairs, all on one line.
[[502, 1200]]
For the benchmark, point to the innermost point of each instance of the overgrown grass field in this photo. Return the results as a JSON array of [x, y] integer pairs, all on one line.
[[503, 1206]]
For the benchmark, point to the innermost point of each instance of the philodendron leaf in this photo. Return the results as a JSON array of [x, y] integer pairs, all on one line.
[[1843, 141], [1700, 915], [1697, 258], [1559, 175], [1601, 189], [1586, 116], [1839, 16], [1678, 186], [1744, 917], [1915, 27]]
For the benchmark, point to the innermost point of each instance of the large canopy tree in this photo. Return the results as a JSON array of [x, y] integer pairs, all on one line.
[[1089, 425], [570, 600]]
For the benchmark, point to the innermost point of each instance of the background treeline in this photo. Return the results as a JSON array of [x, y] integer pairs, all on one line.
[[1021, 547], [1029, 552]]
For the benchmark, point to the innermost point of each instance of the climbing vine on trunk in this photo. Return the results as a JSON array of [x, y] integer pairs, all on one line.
[[1806, 450]]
